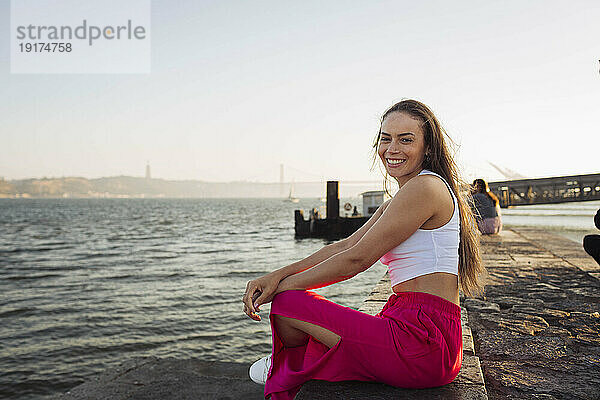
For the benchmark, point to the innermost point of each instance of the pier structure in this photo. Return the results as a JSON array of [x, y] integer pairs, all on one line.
[[333, 226], [559, 189]]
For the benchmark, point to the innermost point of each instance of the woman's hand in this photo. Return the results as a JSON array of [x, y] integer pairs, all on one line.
[[258, 292]]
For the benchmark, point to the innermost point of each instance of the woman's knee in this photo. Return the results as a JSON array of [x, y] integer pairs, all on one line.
[[289, 335], [295, 331], [288, 298]]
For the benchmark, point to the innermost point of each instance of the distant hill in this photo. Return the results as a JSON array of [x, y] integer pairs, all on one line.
[[128, 186]]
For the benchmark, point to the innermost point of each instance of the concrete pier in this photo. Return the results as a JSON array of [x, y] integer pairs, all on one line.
[[537, 329], [534, 334], [152, 378]]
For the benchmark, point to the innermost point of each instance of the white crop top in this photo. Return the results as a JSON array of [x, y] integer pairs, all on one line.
[[427, 250]]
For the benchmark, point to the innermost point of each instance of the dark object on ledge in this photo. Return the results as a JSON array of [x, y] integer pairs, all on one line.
[[333, 227], [591, 243]]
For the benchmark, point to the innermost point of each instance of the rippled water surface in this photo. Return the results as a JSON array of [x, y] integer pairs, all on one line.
[[86, 284]]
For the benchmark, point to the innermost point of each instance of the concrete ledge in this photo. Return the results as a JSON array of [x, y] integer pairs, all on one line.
[[369, 390], [152, 378], [468, 384]]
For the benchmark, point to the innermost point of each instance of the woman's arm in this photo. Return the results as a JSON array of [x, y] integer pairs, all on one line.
[[415, 203], [341, 266], [322, 254], [331, 249], [261, 290]]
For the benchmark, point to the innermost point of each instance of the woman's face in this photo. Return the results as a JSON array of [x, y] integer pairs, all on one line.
[[401, 146]]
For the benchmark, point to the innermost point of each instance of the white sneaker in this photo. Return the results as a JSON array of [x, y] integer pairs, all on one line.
[[260, 369]]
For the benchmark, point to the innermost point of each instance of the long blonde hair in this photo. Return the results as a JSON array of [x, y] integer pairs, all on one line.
[[440, 161]]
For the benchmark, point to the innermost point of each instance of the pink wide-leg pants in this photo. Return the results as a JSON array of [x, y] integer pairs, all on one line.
[[415, 341]]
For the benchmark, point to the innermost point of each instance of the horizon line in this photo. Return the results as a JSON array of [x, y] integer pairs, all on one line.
[[186, 179]]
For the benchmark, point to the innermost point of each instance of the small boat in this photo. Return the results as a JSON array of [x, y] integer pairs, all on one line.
[[290, 197]]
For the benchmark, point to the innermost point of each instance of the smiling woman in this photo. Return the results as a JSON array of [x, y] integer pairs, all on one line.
[[427, 237]]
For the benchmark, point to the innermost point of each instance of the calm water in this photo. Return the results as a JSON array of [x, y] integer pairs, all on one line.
[[86, 284]]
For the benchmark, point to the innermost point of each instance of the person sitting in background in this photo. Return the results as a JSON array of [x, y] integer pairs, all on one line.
[[486, 208], [591, 243]]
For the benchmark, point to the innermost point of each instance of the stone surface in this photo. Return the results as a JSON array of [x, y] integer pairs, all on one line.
[[536, 328], [152, 378], [480, 305], [349, 390], [561, 379], [468, 346]]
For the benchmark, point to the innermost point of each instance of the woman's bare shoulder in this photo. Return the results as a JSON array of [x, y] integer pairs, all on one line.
[[426, 184], [427, 191]]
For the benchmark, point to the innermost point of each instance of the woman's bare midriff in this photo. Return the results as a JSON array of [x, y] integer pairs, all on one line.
[[441, 284]]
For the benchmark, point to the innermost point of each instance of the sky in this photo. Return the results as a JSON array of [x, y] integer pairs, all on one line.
[[237, 88]]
